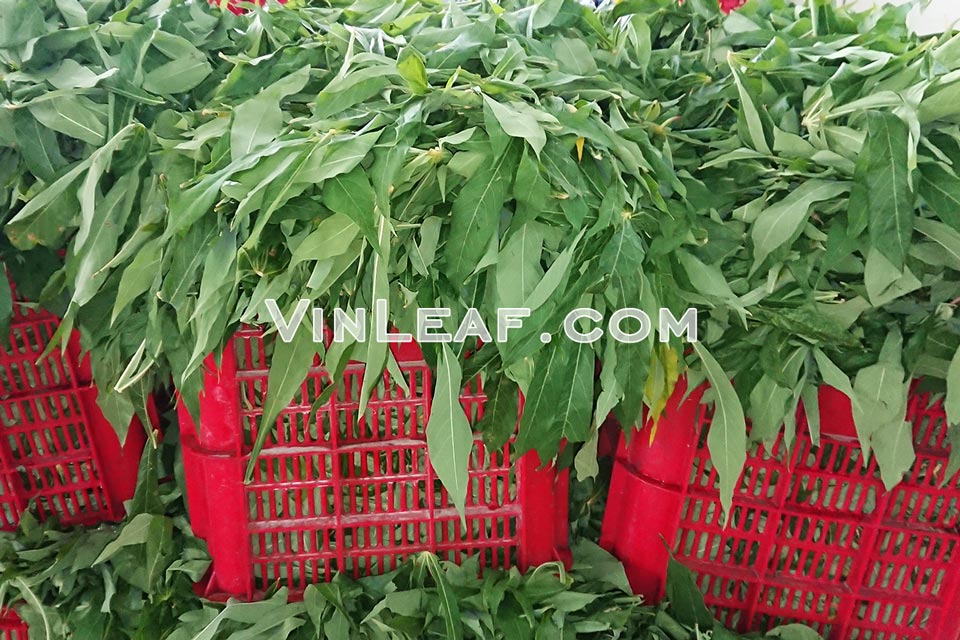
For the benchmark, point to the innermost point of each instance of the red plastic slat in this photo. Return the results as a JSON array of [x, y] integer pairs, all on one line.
[[11, 626], [813, 536], [336, 491]]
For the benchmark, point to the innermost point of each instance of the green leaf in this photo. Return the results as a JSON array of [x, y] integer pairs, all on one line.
[[953, 465], [108, 219], [20, 23], [289, 366], [809, 396], [881, 393], [342, 156], [575, 409], [940, 105], [70, 115], [940, 189], [358, 85], [574, 56], [952, 402], [893, 446], [449, 437], [90, 216], [191, 204], [338, 627], [832, 375], [622, 259], [137, 278], [884, 282], [945, 236], [611, 389], [754, 135], [423, 254], [546, 12], [686, 601], [518, 266], [518, 121], [559, 404], [768, 402], [449, 606], [531, 190], [187, 69], [258, 121], [291, 183], [778, 223], [376, 353], [332, 237], [594, 563], [181, 276], [882, 172], [586, 463], [6, 305], [31, 597], [38, 145], [793, 632], [499, 420], [474, 217], [217, 290], [411, 69], [727, 440], [135, 532], [352, 195], [544, 297], [73, 12], [34, 221], [118, 409], [709, 281]]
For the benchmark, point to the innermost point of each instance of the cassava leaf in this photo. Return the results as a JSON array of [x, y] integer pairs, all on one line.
[[259, 120], [727, 440], [686, 601], [351, 194], [499, 421], [952, 402], [780, 222], [882, 170], [289, 366], [474, 215], [449, 437]]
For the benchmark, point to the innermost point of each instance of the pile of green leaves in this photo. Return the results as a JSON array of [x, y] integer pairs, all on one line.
[[788, 170], [433, 154], [89, 584], [839, 196]]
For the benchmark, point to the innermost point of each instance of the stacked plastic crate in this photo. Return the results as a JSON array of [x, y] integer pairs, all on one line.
[[813, 535], [339, 491]]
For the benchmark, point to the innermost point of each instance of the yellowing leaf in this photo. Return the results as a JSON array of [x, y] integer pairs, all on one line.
[[661, 381]]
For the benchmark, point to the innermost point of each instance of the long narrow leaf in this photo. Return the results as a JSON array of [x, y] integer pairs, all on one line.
[[449, 437], [727, 440]]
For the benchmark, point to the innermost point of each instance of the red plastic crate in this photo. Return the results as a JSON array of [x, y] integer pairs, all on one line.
[[57, 451], [11, 626], [729, 5], [336, 492], [813, 535]]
